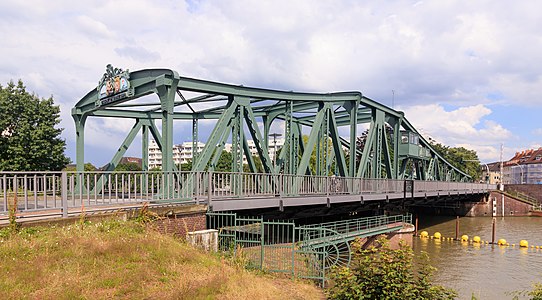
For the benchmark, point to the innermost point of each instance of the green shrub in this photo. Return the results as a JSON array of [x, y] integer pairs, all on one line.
[[536, 293], [384, 273]]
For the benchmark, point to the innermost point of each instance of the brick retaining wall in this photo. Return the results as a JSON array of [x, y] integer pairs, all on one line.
[[512, 206], [533, 190], [178, 220], [179, 225]]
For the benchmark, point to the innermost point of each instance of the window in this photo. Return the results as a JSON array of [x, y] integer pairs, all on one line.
[[414, 139], [404, 138]]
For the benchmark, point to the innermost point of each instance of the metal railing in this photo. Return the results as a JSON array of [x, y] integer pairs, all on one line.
[[68, 192], [308, 251], [364, 224]]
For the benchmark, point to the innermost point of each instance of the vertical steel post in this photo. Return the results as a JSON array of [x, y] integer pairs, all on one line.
[[80, 142], [457, 227], [145, 147], [262, 242], [416, 227], [293, 251], [195, 139], [493, 230], [209, 190], [353, 112], [64, 194], [197, 188]]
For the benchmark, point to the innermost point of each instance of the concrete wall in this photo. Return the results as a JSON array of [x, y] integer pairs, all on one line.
[[405, 234]]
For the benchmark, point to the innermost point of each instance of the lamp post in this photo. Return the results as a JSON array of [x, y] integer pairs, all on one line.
[[274, 136]]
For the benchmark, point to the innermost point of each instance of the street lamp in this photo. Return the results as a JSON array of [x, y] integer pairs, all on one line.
[[274, 136]]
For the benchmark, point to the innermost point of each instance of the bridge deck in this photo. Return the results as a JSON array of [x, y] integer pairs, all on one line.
[[66, 193]]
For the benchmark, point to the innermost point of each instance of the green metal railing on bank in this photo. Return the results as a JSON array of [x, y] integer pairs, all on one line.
[[308, 251]]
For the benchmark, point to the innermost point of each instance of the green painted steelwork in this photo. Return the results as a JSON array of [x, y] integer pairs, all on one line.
[[308, 252], [245, 112]]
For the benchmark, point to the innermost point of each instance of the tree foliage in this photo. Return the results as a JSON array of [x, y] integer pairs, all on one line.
[[384, 273], [536, 293], [128, 166], [29, 139], [258, 164], [464, 159], [88, 167], [224, 163], [325, 154], [362, 140]]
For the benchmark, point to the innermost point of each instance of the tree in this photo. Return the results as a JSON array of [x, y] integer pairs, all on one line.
[[464, 159], [324, 155], [29, 139], [384, 273], [129, 166], [257, 162], [88, 167], [224, 163], [186, 167]]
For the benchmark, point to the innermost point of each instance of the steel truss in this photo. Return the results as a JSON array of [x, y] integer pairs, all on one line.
[[245, 112]]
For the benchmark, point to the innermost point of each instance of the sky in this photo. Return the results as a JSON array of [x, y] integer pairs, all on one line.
[[466, 73]]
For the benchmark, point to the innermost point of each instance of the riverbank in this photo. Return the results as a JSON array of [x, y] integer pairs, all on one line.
[[124, 259]]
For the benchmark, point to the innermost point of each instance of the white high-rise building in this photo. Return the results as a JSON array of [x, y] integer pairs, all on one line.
[[182, 153], [155, 155]]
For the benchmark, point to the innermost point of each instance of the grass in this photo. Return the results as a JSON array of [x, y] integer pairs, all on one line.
[[126, 260]]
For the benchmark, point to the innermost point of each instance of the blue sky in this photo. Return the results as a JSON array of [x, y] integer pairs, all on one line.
[[466, 73]]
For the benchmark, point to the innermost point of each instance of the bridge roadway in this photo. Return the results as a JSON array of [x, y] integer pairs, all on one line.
[[69, 193], [422, 190]]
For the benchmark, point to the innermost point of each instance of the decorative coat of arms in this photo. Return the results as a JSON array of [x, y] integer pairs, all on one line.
[[114, 82]]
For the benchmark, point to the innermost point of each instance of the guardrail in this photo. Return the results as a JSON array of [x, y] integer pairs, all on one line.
[[74, 191], [361, 224]]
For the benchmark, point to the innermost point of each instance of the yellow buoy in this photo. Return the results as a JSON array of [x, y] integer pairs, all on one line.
[[437, 235], [424, 234], [524, 244], [464, 238], [501, 242], [476, 239]]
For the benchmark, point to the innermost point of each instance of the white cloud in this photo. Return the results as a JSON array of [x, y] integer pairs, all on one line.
[[94, 28], [471, 56], [537, 131], [462, 127]]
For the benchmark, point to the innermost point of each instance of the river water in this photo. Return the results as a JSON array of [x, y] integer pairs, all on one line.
[[485, 271]]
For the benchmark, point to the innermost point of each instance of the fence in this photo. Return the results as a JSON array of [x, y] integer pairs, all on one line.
[[308, 252], [62, 192], [65, 191]]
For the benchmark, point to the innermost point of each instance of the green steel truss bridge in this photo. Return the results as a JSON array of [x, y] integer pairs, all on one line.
[[330, 122], [322, 160]]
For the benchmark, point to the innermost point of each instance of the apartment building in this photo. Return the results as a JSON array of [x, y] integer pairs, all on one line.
[[182, 153], [524, 168]]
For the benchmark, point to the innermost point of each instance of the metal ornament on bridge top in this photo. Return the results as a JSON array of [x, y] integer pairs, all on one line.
[[114, 86]]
